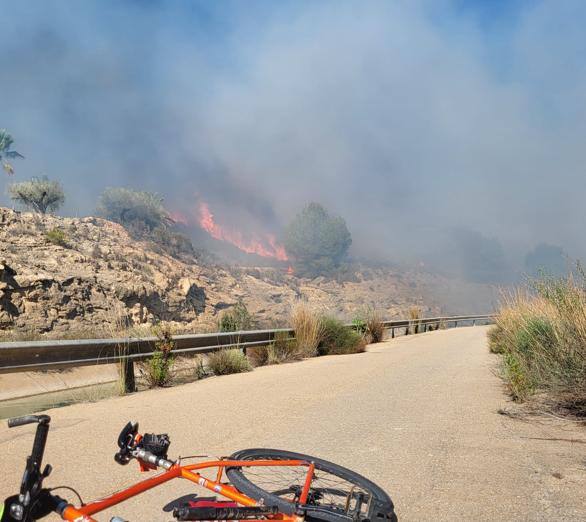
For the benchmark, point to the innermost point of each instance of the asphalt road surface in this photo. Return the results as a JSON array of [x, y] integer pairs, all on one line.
[[418, 415]]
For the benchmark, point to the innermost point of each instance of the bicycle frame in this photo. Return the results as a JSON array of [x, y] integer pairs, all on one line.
[[190, 472]]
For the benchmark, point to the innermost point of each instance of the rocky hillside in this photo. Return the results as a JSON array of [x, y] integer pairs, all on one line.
[[69, 275]]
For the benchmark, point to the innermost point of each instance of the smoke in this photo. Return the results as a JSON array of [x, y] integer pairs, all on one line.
[[411, 119]]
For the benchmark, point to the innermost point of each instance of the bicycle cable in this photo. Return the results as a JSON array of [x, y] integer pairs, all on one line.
[[81, 502], [201, 457]]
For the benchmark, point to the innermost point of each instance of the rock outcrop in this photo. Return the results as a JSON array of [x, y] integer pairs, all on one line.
[[95, 277]]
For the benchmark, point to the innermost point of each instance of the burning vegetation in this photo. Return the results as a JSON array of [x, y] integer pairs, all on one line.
[[265, 246]]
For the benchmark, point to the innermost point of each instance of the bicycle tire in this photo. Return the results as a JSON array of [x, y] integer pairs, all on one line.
[[379, 507]]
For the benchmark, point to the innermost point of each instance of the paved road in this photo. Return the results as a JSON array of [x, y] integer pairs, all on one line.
[[418, 415]]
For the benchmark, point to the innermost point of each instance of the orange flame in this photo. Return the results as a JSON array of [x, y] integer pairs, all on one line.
[[253, 246]]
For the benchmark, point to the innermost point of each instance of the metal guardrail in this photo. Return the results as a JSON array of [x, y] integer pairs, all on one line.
[[434, 323], [49, 355]]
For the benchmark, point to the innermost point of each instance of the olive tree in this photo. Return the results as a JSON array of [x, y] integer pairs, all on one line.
[[39, 194], [6, 151], [317, 241]]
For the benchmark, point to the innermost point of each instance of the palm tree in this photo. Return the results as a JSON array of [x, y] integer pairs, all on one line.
[[6, 142]]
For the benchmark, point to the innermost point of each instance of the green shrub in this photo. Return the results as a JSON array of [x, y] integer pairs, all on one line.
[[157, 370], [336, 338], [360, 326], [236, 319], [230, 360], [57, 237]]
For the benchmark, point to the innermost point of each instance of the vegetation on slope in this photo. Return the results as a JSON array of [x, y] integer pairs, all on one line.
[[541, 333]]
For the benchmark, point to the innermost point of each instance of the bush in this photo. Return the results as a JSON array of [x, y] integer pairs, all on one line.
[[57, 237], [541, 334], [230, 360], [172, 243], [139, 211], [336, 338], [308, 328], [157, 369], [39, 194], [258, 356], [317, 241], [283, 349], [236, 319]]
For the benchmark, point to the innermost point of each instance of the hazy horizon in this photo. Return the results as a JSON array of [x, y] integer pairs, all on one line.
[[444, 132]]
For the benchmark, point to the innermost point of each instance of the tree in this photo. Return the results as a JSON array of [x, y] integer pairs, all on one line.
[[550, 259], [318, 241], [480, 258], [133, 208], [6, 142], [39, 194]]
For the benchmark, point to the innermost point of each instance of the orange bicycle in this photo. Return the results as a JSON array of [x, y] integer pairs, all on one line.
[[259, 485]]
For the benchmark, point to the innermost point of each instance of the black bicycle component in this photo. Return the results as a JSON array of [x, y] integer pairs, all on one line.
[[223, 513], [126, 443], [156, 444], [27, 419], [31, 493]]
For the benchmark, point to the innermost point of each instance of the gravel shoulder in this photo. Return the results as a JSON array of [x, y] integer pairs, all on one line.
[[418, 415]]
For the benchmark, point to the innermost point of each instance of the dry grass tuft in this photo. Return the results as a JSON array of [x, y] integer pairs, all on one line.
[[375, 328], [308, 328], [414, 319]]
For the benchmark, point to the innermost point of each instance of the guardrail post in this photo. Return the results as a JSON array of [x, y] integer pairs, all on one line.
[[392, 332], [473, 322], [127, 374], [455, 324]]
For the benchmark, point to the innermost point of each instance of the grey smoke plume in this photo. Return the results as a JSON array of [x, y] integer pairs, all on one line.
[[415, 121]]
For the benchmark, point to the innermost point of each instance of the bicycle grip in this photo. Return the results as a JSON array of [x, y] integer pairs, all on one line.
[[27, 419]]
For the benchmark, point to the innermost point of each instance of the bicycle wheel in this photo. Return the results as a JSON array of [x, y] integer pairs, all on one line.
[[336, 494]]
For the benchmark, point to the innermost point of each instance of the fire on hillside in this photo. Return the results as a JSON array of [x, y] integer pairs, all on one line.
[[264, 245]]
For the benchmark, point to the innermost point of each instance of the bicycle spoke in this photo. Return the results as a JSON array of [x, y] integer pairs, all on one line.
[[326, 490]]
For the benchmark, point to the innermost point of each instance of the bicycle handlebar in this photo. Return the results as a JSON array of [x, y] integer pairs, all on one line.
[[28, 419]]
